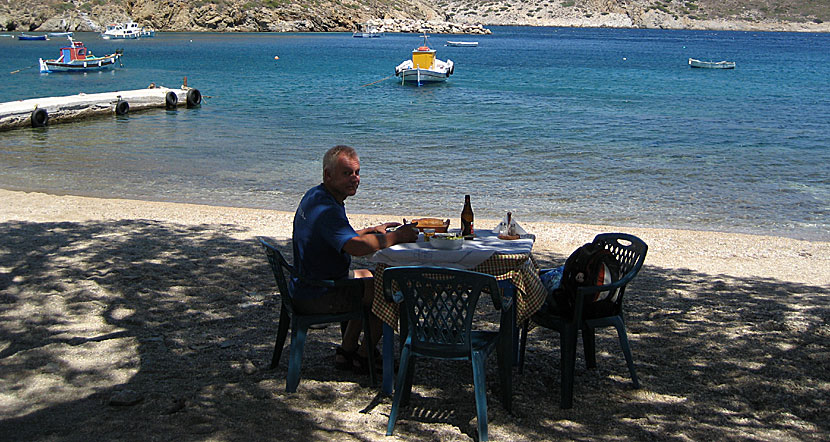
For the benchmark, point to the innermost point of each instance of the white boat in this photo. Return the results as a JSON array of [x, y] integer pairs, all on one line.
[[60, 34], [468, 44], [365, 30], [129, 30], [711, 64], [424, 67]]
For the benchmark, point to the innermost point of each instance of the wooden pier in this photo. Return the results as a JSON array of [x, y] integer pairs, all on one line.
[[39, 112]]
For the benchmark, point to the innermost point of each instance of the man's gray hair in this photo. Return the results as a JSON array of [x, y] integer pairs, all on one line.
[[330, 158]]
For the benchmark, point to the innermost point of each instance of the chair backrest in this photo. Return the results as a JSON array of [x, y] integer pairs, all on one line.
[[281, 268], [438, 306], [630, 252]]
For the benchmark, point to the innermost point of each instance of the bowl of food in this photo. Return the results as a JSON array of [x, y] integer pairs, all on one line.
[[446, 241], [432, 223]]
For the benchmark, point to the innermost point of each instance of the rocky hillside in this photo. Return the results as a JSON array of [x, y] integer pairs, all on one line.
[[341, 15], [773, 15]]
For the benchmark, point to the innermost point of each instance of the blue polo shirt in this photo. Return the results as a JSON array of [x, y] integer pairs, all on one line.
[[321, 229]]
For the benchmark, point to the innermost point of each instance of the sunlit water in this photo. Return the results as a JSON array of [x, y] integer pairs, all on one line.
[[603, 126]]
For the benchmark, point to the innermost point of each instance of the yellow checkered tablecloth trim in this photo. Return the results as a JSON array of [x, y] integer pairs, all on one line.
[[521, 269]]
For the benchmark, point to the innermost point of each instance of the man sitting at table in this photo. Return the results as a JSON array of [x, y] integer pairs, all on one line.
[[324, 243]]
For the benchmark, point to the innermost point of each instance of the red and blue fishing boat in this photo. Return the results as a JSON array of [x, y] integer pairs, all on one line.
[[77, 58]]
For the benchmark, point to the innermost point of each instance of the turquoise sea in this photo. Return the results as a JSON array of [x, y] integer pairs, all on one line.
[[605, 126]]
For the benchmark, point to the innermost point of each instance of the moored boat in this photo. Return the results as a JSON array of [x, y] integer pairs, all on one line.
[[129, 30], [61, 34], [77, 58], [424, 67], [32, 37], [366, 30], [468, 44], [711, 64]]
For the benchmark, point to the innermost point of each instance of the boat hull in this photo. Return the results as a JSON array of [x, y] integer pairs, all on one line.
[[711, 64], [416, 76], [120, 36], [462, 44], [93, 64], [32, 37]]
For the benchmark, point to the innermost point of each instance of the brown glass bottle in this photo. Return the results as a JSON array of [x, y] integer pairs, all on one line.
[[467, 219]]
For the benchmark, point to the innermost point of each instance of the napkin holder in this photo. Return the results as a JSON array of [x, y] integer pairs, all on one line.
[[509, 229]]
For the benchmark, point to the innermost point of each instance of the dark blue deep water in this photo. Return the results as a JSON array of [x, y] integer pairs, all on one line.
[[603, 126]]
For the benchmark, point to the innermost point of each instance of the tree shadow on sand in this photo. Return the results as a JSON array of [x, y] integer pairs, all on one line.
[[179, 321]]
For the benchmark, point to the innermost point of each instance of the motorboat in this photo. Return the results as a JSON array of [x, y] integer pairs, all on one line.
[[424, 67], [366, 30], [129, 30], [77, 58], [463, 44], [711, 64], [119, 31], [32, 37]]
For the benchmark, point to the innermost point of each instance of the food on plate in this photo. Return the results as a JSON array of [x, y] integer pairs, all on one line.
[[448, 236], [447, 241]]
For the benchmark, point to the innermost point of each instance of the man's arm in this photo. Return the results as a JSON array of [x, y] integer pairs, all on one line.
[[365, 244], [377, 229]]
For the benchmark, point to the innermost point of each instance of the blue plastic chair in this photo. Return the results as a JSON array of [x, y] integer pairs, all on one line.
[[437, 316], [630, 251], [300, 323]]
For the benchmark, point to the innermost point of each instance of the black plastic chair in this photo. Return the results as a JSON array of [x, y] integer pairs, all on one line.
[[630, 251], [437, 317], [300, 323]]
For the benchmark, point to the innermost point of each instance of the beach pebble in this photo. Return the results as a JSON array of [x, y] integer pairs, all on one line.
[[125, 398], [249, 367], [176, 405]]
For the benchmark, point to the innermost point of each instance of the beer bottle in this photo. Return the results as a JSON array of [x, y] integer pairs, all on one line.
[[467, 230]]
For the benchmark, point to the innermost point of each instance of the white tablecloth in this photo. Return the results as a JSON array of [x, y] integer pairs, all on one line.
[[472, 253]]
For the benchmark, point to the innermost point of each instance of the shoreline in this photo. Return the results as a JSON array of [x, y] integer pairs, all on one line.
[[709, 252]]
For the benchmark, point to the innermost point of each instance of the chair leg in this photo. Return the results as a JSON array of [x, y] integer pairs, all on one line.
[[567, 347], [480, 387], [370, 349], [589, 343], [388, 360], [505, 364], [410, 375], [295, 359], [282, 332], [523, 347], [399, 389], [620, 326]]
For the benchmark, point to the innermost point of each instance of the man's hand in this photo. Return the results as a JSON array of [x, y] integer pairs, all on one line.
[[385, 226], [405, 233], [368, 241], [377, 229]]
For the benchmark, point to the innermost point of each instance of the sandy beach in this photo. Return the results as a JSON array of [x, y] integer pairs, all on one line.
[[135, 320]]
